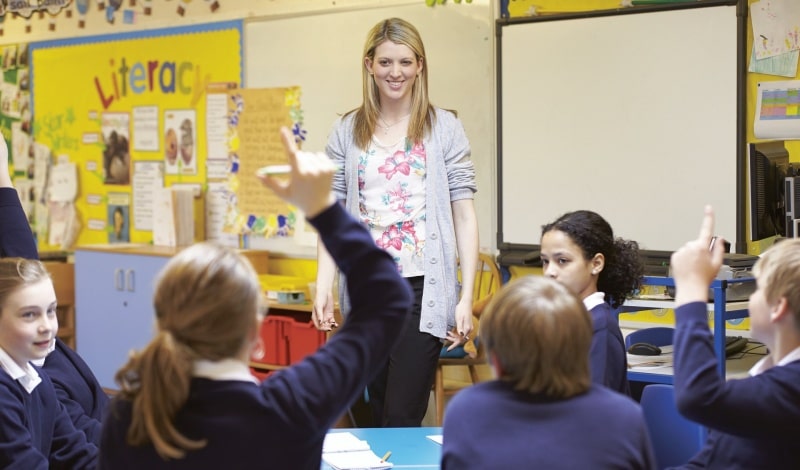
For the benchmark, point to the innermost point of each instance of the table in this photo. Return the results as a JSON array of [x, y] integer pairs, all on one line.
[[410, 447]]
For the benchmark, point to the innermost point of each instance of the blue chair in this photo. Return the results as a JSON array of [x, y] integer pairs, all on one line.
[[675, 439], [657, 335]]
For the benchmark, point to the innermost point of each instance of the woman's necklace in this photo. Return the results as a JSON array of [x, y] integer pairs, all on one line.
[[386, 126]]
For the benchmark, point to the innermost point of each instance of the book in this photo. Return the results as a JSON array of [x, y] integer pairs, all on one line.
[[173, 216]]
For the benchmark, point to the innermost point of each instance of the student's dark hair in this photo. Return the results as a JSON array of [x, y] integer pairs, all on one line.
[[622, 273]]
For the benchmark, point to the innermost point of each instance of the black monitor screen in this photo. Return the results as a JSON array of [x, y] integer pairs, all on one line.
[[768, 168]]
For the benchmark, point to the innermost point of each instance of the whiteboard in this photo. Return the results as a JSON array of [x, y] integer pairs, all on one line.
[[321, 53], [630, 115]]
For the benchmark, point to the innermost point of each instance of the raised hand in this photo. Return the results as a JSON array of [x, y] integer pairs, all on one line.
[[309, 183], [694, 265]]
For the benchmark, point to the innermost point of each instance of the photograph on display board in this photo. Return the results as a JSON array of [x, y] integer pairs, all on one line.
[[180, 130], [116, 152], [119, 224]]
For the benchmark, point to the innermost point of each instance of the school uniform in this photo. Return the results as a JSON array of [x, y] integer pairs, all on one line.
[[608, 361], [281, 423], [753, 421], [16, 239], [35, 430], [491, 425], [77, 389], [76, 385]]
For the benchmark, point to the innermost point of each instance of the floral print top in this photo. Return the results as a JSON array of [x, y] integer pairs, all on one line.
[[391, 185]]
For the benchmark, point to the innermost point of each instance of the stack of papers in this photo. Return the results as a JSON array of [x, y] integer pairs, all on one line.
[[344, 451]]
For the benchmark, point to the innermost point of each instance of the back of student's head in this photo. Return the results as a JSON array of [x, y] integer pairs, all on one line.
[[16, 273], [540, 334], [778, 272], [206, 301], [623, 269]]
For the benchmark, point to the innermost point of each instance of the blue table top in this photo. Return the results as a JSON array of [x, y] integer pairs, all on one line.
[[410, 447]]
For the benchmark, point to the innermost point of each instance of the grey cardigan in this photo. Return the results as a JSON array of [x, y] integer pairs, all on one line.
[[450, 176]]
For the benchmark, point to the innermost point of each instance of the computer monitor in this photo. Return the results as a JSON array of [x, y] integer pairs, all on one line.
[[769, 162]]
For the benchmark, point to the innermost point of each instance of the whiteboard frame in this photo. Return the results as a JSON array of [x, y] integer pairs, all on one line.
[[517, 249]]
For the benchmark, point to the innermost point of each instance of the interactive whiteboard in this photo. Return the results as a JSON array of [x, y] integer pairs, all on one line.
[[633, 116]]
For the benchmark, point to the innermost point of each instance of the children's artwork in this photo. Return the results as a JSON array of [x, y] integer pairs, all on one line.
[[116, 151], [783, 65], [776, 27], [180, 135], [119, 224], [255, 117], [10, 57]]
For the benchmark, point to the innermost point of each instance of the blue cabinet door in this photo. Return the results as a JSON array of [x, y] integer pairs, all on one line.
[[114, 308]]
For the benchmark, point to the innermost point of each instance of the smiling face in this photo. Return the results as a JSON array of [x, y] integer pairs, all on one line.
[[28, 322], [564, 261], [394, 68]]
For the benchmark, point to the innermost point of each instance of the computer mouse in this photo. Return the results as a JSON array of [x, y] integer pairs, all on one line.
[[644, 349]]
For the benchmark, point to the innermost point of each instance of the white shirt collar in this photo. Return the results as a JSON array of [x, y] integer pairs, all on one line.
[[226, 369], [766, 363], [593, 300], [27, 377]]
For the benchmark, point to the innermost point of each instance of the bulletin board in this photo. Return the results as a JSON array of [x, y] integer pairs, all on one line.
[[636, 114], [130, 111], [322, 54]]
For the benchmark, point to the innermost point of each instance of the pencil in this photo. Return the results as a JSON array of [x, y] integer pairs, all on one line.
[[386, 456], [272, 170]]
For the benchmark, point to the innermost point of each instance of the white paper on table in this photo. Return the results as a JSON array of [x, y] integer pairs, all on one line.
[[437, 438], [360, 459], [343, 442]]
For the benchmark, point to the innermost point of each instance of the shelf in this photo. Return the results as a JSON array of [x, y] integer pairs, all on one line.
[[260, 366], [720, 309]]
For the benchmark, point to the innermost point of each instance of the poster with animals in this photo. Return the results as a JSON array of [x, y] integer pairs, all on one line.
[[179, 138], [116, 148]]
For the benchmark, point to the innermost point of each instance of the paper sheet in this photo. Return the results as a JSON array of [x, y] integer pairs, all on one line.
[[777, 111], [437, 438], [361, 459]]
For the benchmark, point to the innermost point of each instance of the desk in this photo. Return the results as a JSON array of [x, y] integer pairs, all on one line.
[[409, 446]]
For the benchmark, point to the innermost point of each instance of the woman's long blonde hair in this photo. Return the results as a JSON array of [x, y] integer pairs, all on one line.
[[366, 116], [206, 301]]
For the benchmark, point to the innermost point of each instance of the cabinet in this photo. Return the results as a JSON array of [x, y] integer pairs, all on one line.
[[114, 302], [63, 275], [719, 309]]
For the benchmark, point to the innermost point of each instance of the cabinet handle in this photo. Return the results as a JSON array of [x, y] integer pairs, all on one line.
[[118, 279], [130, 280]]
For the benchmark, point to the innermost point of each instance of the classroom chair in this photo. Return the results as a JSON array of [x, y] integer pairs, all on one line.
[[657, 335], [675, 439], [487, 282]]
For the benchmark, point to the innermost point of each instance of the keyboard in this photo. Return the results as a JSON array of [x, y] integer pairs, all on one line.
[[734, 344]]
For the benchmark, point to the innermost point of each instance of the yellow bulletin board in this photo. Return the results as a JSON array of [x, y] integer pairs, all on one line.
[[130, 111]]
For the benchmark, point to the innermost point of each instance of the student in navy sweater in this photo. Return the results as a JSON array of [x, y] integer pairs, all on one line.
[[35, 430], [753, 421], [580, 251], [187, 400], [543, 411], [75, 384]]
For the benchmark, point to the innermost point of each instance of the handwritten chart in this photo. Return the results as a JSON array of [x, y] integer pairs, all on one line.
[[255, 117]]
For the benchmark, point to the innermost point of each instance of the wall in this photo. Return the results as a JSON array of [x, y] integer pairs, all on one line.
[[452, 81]]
